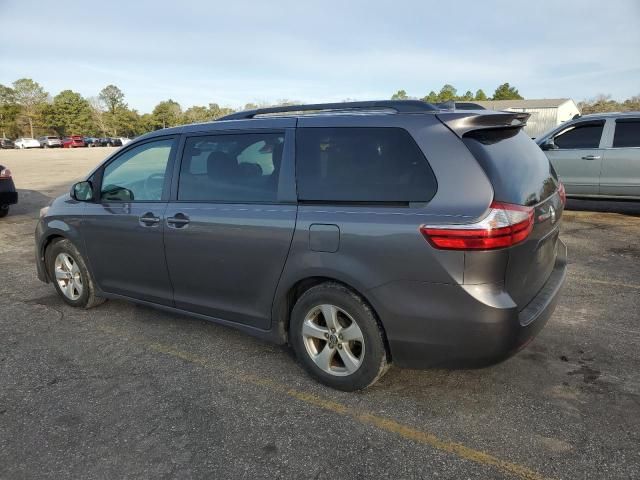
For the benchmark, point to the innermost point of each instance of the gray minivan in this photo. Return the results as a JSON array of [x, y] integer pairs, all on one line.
[[360, 233], [597, 155]]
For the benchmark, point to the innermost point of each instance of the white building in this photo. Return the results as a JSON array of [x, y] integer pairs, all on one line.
[[545, 113]]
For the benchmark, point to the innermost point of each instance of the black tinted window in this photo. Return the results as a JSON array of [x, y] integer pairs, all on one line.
[[518, 170], [361, 165], [586, 135], [231, 168], [627, 133]]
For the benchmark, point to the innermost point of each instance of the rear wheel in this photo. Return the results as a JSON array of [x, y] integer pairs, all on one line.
[[337, 339], [70, 276], [4, 211]]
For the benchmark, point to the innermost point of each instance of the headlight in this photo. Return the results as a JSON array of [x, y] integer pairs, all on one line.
[[43, 211]]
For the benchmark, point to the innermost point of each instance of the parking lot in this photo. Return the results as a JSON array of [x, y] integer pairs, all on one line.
[[124, 391]]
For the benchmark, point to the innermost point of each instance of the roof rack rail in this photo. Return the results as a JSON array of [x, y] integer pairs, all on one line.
[[400, 106]]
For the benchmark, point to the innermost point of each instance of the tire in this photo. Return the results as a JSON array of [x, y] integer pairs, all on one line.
[[86, 290], [4, 211], [366, 358]]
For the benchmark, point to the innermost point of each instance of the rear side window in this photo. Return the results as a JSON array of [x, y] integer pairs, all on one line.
[[233, 168], [627, 133], [583, 135], [518, 170], [353, 164]]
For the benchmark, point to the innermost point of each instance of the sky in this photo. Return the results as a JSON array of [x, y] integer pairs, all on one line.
[[237, 51]]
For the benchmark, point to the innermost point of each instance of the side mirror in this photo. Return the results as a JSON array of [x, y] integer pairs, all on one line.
[[114, 193], [548, 144], [82, 191]]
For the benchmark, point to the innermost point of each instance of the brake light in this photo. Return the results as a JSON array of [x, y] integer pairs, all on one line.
[[5, 173], [562, 193], [504, 226]]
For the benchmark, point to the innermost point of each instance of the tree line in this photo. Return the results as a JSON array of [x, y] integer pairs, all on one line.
[[449, 92], [27, 109]]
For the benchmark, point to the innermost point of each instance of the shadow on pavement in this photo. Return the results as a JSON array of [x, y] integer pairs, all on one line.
[[631, 208]]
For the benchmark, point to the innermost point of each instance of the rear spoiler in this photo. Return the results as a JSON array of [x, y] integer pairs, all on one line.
[[465, 122]]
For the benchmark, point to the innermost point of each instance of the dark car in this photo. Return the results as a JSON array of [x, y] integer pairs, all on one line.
[[360, 233], [113, 142], [8, 194], [73, 141], [6, 143]]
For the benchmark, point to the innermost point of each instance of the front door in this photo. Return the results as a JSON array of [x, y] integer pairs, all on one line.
[[228, 232], [123, 231], [577, 157]]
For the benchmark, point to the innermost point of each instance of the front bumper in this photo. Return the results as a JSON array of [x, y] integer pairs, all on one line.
[[461, 326]]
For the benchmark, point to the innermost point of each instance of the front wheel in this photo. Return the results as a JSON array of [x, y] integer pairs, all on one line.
[[70, 275], [337, 339]]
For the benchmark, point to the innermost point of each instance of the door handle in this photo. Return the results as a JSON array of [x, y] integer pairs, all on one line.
[[591, 157], [149, 220], [179, 220]]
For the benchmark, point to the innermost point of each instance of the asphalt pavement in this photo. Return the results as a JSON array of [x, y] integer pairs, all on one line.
[[124, 391]]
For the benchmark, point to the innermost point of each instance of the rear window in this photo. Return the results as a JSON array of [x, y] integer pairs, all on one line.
[[518, 170], [627, 133], [353, 164]]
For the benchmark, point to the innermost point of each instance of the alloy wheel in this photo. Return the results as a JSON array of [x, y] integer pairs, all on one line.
[[68, 276], [333, 340]]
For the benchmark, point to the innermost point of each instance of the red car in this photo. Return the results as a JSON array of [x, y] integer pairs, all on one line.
[[73, 141]]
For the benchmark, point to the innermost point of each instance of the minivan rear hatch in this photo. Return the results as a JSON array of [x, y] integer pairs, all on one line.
[[520, 174]]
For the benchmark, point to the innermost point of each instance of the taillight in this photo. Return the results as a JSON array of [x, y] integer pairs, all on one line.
[[505, 225], [562, 193], [5, 173]]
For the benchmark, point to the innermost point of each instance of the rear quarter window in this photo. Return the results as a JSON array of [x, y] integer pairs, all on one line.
[[517, 168], [361, 165]]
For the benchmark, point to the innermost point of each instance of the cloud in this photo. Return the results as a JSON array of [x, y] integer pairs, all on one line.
[[235, 52]]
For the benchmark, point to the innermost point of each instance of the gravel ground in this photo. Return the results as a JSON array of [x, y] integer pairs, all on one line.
[[124, 391]]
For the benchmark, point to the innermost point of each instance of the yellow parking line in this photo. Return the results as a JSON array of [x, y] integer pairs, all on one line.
[[364, 417], [613, 284]]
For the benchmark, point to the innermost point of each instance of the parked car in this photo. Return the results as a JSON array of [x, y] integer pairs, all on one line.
[[597, 155], [377, 231], [50, 142], [114, 142], [89, 141], [8, 193], [6, 143], [26, 142], [73, 141]]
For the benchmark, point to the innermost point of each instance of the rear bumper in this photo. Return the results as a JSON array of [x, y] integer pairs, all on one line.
[[8, 194], [462, 326]]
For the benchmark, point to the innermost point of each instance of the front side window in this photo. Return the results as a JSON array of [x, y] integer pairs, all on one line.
[[627, 133], [583, 135], [354, 164], [233, 168], [138, 174]]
